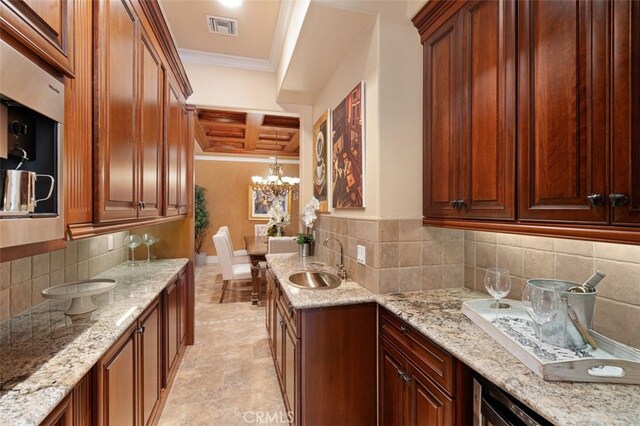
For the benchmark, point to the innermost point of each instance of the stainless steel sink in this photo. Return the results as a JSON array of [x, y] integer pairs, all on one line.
[[314, 280]]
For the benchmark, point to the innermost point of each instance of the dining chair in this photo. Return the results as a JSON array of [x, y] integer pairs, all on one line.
[[239, 256], [230, 271], [260, 230], [282, 245]]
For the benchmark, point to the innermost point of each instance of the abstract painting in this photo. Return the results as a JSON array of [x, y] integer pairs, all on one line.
[[320, 158], [347, 153]]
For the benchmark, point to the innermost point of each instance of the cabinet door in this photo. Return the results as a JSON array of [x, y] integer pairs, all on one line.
[[442, 78], [173, 119], [428, 404], [487, 160], [115, 94], [183, 182], [171, 329], [392, 387], [151, 134], [625, 92], [291, 371], [278, 342], [562, 110], [151, 362], [118, 383], [269, 308], [182, 295], [43, 26]]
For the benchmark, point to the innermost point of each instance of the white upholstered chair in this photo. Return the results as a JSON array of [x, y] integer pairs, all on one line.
[[230, 271], [282, 245], [239, 256], [260, 230]]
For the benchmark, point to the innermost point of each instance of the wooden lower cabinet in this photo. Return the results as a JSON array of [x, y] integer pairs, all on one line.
[[325, 359], [151, 362], [419, 382]]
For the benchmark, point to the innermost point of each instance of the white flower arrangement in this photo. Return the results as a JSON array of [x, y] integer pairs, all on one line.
[[309, 217], [277, 215]]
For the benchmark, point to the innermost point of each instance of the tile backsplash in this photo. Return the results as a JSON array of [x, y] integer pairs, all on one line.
[[402, 255], [22, 280]]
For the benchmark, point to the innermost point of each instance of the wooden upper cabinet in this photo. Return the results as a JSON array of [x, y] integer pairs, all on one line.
[[44, 26], [173, 146], [487, 155], [442, 52], [184, 163], [562, 111], [152, 75], [469, 104], [625, 122], [116, 32]]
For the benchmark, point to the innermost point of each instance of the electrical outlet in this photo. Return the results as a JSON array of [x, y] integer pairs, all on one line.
[[110, 242], [362, 254]]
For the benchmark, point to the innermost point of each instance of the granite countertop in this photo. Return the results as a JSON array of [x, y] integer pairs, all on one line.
[[43, 355], [348, 293], [437, 314]]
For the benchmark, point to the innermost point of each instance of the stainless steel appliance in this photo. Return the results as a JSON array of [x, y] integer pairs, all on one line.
[[18, 191], [31, 143], [494, 407]]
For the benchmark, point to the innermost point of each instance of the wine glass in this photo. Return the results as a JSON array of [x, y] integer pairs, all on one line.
[[542, 306], [498, 283], [132, 241], [148, 240]]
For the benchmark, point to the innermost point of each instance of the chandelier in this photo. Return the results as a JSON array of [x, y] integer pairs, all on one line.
[[276, 184]]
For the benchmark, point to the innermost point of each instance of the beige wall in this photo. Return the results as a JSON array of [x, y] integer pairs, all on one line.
[[393, 111], [227, 185]]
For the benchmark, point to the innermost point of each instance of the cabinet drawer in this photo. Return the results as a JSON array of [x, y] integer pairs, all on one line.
[[436, 362]]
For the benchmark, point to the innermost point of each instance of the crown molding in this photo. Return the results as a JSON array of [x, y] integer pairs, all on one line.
[[280, 34], [229, 61], [245, 159]]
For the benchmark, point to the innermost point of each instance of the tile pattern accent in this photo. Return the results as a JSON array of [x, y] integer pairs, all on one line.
[[437, 315], [22, 280], [617, 313], [401, 255]]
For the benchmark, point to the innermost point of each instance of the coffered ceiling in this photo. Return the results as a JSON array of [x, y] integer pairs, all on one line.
[[248, 133]]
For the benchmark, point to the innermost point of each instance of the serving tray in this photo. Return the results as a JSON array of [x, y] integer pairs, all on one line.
[[612, 362]]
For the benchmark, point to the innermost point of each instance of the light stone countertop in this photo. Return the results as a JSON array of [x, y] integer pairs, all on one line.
[[437, 314], [348, 293], [43, 355]]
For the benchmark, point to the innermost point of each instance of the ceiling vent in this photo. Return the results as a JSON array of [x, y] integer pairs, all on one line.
[[223, 26]]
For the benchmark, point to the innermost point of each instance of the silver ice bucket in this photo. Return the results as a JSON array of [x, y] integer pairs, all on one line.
[[561, 331]]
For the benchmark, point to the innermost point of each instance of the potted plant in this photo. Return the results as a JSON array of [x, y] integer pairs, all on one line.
[[202, 224], [305, 239], [278, 219]]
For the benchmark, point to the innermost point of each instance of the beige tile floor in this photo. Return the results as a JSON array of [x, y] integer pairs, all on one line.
[[227, 377]]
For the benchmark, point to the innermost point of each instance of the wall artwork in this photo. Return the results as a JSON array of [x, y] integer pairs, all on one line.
[[347, 152], [259, 204], [320, 159]]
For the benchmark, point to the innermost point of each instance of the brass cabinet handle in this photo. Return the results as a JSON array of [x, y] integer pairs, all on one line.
[[618, 200], [461, 204], [404, 329], [140, 329], [595, 199], [404, 376], [453, 204]]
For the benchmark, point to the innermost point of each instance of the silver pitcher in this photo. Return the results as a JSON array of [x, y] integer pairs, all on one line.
[[18, 190], [560, 331]]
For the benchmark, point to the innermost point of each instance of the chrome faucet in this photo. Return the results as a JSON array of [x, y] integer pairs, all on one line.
[[343, 273]]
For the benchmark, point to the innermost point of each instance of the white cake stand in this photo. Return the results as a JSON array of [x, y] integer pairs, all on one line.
[[80, 293]]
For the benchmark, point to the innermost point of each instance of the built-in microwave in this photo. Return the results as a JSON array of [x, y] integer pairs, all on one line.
[[31, 144]]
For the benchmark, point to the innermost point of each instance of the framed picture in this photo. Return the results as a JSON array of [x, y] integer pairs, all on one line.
[[320, 161], [348, 151], [260, 203]]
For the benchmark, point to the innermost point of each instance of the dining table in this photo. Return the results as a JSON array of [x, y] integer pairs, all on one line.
[[257, 250]]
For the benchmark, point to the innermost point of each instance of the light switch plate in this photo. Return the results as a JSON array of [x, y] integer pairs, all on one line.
[[362, 255], [110, 242]]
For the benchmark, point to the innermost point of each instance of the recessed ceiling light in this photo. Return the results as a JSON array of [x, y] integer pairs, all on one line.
[[231, 3]]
